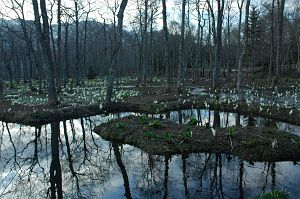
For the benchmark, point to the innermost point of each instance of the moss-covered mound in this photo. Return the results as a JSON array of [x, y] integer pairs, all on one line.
[[162, 137]]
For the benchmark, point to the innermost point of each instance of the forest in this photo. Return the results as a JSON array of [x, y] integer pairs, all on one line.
[[150, 99]]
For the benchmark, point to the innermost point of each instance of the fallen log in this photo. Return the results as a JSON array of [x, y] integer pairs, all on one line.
[[41, 116]]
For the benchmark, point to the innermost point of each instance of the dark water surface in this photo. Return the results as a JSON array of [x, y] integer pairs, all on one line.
[[94, 168]]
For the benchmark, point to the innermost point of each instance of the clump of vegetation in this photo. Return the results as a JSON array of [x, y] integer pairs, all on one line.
[[187, 134], [168, 136], [144, 119], [275, 194], [120, 125], [193, 121], [149, 135], [156, 124], [230, 134]]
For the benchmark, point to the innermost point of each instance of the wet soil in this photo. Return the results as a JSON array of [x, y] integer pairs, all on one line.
[[153, 99], [162, 137]]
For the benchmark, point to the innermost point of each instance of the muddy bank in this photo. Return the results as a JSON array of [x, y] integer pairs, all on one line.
[[162, 137], [43, 115]]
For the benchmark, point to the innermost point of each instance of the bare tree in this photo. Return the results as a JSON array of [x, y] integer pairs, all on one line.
[[280, 10], [145, 43], [115, 53], [59, 46], [200, 26], [240, 6], [245, 41], [271, 49], [66, 54], [181, 50], [166, 46], [44, 39], [217, 35], [228, 6]]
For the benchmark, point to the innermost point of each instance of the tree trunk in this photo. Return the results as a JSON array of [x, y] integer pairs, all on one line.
[[298, 46], [271, 43], [115, 53], [240, 65], [216, 71], [44, 39], [58, 57], [166, 46], [66, 55], [240, 6], [228, 41], [145, 44], [1, 88], [181, 50], [77, 53], [280, 4]]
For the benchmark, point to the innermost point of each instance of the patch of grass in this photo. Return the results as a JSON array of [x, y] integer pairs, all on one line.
[[144, 119], [230, 133], [168, 136], [187, 134], [149, 134], [193, 121], [275, 194], [120, 125], [156, 124]]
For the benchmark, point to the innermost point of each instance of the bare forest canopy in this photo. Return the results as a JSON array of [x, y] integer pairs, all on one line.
[[59, 40]]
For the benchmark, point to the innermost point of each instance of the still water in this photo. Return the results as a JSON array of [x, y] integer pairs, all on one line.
[[94, 168]]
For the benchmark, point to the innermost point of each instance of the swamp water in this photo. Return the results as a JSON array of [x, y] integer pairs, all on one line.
[[94, 168]]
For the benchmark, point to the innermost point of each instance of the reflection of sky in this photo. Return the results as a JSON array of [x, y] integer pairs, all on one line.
[[100, 176]]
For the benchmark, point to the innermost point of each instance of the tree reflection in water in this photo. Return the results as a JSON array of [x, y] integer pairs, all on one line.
[[166, 177], [55, 167], [87, 169], [123, 170]]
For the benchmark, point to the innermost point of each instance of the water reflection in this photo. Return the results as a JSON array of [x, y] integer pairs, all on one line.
[[55, 167], [67, 160], [123, 170], [225, 119]]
